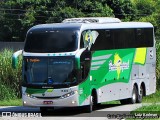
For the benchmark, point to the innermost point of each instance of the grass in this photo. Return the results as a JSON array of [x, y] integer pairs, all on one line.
[[16, 102], [10, 78], [152, 107], [147, 109], [153, 98], [112, 102]]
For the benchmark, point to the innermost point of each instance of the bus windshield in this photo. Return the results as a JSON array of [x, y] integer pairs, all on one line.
[[52, 41], [49, 71]]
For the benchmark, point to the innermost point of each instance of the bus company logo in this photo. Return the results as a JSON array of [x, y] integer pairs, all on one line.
[[89, 38], [118, 65], [43, 94]]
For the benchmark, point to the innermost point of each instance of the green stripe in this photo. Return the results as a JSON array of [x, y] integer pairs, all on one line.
[[35, 91]]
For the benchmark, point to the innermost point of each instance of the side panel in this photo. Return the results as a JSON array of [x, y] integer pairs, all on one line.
[[108, 68], [151, 71], [114, 72]]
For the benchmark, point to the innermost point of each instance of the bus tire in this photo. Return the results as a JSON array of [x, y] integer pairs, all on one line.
[[93, 102], [133, 99], [140, 95], [89, 108]]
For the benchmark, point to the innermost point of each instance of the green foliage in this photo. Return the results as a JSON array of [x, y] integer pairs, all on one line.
[[145, 7], [17, 16], [158, 64], [10, 79], [99, 10], [123, 9], [67, 12], [153, 98], [12, 102], [153, 107]]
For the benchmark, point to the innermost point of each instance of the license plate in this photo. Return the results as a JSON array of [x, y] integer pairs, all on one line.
[[47, 102]]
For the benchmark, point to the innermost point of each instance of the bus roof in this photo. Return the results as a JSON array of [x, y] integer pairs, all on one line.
[[84, 26]]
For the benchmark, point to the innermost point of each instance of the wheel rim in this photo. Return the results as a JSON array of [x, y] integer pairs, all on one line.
[[134, 97], [141, 92], [91, 103]]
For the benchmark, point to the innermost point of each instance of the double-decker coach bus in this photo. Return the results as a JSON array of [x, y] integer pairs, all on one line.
[[86, 61]]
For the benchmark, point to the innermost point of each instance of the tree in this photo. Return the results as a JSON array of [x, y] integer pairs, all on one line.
[[122, 9]]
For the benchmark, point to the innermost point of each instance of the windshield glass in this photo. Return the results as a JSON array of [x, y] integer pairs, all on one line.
[[49, 71], [51, 41]]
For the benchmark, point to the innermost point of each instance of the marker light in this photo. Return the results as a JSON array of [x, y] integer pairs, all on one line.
[[73, 102]]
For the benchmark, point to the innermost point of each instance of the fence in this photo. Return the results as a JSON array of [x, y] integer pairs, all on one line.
[[11, 45]]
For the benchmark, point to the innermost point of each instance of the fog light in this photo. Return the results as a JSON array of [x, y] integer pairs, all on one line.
[[73, 102], [24, 102]]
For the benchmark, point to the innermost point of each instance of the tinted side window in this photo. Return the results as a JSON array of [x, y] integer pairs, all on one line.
[[146, 37], [140, 38], [124, 38], [102, 41], [121, 38], [132, 38]]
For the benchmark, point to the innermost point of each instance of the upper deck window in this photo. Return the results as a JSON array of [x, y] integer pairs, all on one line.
[[51, 41]]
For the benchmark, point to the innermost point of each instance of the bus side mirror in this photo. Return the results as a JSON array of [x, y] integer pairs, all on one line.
[[15, 58], [77, 58]]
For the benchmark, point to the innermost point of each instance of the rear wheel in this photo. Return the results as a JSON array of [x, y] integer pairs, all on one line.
[[140, 95], [133, 99]]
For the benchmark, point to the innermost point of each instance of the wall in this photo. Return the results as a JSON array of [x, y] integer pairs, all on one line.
[[11, 45]]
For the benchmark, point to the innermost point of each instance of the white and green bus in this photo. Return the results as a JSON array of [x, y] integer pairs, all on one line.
[[87, 61]]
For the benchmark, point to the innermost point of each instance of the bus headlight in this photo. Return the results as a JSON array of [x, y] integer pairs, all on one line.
[[69, 94], [29, 95]]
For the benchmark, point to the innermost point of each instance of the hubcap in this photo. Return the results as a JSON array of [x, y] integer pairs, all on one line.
[[91, 99], [91, 103], [141, 92], [134, 96]]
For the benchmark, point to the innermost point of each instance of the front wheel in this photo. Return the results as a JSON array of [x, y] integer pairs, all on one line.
[[89, 108], [93, 103]]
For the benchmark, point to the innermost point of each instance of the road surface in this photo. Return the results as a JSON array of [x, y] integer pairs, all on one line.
[[103, 112]]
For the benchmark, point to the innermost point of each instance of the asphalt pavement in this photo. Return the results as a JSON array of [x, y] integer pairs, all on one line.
[[102, 112]]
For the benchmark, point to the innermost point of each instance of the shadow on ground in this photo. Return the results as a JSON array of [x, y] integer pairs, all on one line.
[[77, 111]]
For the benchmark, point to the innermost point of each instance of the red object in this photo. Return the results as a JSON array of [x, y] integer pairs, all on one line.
[[47, 102]]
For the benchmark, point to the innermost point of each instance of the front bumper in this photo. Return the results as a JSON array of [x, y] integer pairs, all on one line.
[[71, 101]]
